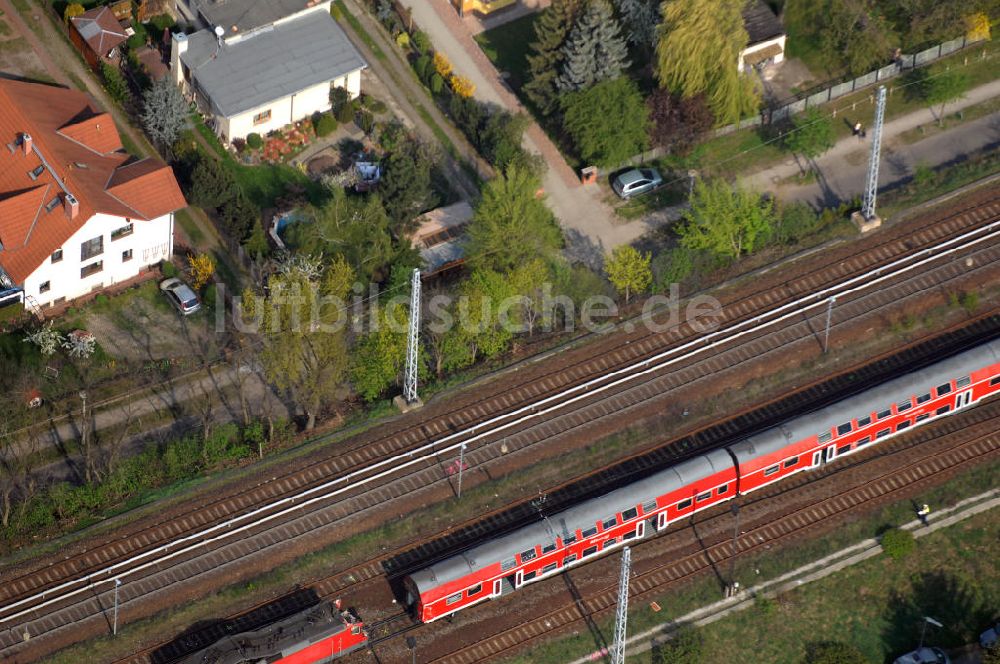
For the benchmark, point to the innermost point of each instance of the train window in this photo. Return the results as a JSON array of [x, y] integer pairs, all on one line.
[[843, 428], [824, 437], [883, 433], [568, 540], [510, 563], [882, 414], [528, 576], [528, 555], [904, 405], [453, 599], [549, 568], [649, 508], [902, 425], [864, 421], [589, 551], [548, 548], [571, 558], [864, 441], [964, 381], [924, 398], [476, 589], [722, 489], [943, 389], [791, 462], [608, 523], [942, 410], [589, 532], [770, 471], [610, 543], [630, 514], [704, 496], [994, 381], [684, 504], [629, 535], [921, 418], [843, 450]]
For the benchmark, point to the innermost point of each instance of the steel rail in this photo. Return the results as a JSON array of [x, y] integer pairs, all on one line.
[[522, 414]]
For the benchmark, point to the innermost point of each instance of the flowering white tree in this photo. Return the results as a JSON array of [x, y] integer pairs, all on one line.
[[81, 345], [46, 338]]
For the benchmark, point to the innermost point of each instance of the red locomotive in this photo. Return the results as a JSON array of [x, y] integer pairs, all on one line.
[[319, 634], [598, 525]]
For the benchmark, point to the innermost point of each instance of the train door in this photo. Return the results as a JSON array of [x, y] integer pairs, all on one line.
[[817, 458], [519, 579], [829, 453], [963, 399], [497, 587], [661, 520], [640, 529]]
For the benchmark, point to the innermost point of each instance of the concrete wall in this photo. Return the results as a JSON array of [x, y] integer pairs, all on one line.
[[780, 41], [150, 242]]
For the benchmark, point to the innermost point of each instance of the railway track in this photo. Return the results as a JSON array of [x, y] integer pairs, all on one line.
[[656, 579], [275, 511]]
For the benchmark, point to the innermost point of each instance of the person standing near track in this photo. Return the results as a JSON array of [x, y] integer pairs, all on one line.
[[923, 513]]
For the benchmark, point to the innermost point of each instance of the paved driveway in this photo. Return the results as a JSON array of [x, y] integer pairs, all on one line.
[[583, 215]]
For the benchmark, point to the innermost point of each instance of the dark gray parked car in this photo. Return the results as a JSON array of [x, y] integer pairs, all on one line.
[[636, 181]]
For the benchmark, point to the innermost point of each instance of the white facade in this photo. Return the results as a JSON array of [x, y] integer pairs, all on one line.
[[120, 258], [287, 110], [779, 56]]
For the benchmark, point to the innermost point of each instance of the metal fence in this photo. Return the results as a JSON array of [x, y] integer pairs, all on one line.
[[903, 63]]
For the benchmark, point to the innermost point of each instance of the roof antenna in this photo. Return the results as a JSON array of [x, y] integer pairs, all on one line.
[[218, 34]]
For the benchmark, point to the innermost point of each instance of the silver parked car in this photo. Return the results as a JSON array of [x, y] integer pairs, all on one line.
[[636, 181], [181, 296], [924, 655]]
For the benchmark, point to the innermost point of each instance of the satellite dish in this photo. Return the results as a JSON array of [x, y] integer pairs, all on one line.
[[219, 31]]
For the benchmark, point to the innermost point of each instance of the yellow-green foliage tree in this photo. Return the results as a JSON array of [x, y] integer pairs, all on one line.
[[698, 52], [74, 9], [442, 66], [977, 27], [201, 268], [462, 86], [629, 270]]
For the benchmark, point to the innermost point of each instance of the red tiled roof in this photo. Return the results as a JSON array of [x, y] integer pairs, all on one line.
[[104, 182], [147, 186], [100, 29], [97, 133]]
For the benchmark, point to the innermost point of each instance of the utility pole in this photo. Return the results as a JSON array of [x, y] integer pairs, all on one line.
[[412, 342], [867, 220], [461, 467], [621, 614], [731, 589], [829, 318], [114, 627]]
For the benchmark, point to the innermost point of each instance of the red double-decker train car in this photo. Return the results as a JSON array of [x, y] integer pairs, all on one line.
[[596, 526], [319, 634]]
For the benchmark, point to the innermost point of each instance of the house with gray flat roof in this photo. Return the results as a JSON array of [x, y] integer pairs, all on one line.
[[259, 70]]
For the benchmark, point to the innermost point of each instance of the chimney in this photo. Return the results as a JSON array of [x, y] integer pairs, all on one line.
[[26, 142], [72, 206], [179, 46]]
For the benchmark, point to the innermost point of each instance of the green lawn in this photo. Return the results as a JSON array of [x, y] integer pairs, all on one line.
[[507, 47]]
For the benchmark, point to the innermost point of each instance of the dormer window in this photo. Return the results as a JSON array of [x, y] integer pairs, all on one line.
[[52, 205], [36, 171]]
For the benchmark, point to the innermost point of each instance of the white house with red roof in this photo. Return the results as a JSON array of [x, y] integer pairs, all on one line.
[[77, 213]]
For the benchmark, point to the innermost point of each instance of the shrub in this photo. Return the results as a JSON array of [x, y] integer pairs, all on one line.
[[339, 97], [403, 40], [114, 83], [138, 40], [325, 125], [441, 65], [366, 120], [422, 66], [897, 543], [240, 144], [168, 269], [672, 267], [72, 10], [437, 83], [686, 647], [159, 23], [345, 113], [832, 652], [421, 41], [254, 141]]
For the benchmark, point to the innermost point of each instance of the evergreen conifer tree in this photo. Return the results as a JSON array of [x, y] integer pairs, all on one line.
[[640, 19], [545, 60], [595, 51]]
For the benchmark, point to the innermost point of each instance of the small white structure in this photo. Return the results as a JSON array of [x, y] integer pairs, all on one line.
[[766, 45], [258, 69], [77, 213]]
